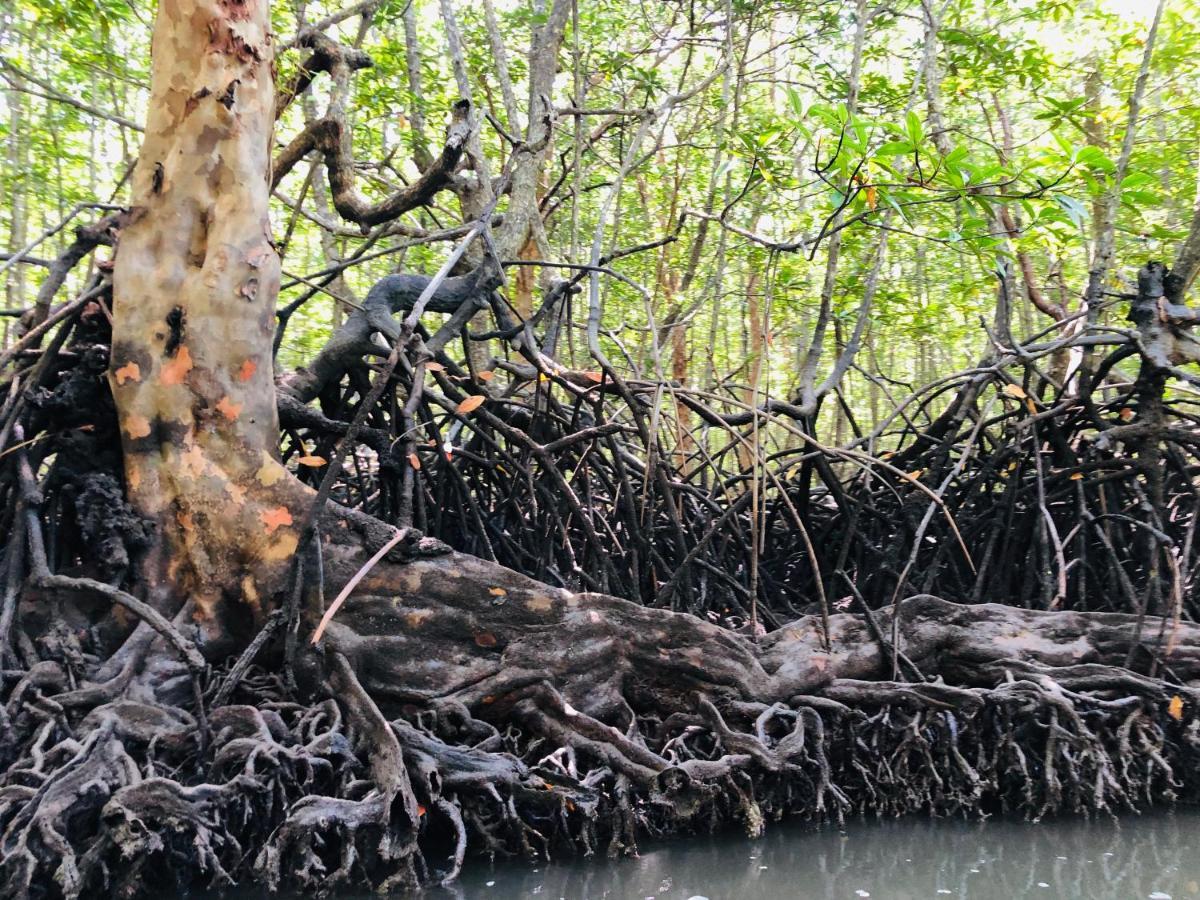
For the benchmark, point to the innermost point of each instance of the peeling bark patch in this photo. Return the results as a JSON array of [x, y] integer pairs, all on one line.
[[137, 426], [193, 101], [176, 370], [274, 518], [249, 289], [156, 180], [131, 371], [223, 39], [237, 10], [417, 617], [229, 409], [246, 372], [539, 603], [229, 95], [259, 255]]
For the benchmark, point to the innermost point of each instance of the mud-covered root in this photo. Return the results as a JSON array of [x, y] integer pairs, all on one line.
[[180, 831], [328, 841]]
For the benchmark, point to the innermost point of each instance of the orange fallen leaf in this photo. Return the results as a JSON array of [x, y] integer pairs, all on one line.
[[274, 518], [432, 366], [131, 371], [596, 377], [1126, 414], [485, 639], [1175, 708], [1077, 476], [420, 810], [486, 376], [246, 372], [176, 370], [497, 591], [414, 461], [311, 461], [871, 195], [471, 404], [229, 409]]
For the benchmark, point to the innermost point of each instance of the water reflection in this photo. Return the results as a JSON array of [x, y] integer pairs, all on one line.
[[1155, 856]]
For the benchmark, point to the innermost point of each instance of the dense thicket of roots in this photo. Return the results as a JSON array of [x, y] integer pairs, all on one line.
[[134, 798], [457, 707]]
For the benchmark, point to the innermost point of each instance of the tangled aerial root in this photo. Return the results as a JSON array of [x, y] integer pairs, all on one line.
[[130, 798]]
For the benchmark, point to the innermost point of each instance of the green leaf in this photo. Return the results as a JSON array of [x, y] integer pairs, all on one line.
[[913, 127]]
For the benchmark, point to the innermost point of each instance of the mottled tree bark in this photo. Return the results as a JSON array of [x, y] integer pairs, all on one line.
[[195, 284]]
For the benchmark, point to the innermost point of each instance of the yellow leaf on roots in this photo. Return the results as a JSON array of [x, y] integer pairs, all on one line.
[[471, 404], [1175, 708], [312, 461], [497, 591], [1014, 390]]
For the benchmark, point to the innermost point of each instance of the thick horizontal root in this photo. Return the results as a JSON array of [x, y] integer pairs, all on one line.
[[575, 723]]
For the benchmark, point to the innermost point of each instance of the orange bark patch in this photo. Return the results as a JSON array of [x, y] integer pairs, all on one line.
[[274, 518], [193, 460], [131, 371], [176, 370], [246, 372], [137, 426], [229, 409]]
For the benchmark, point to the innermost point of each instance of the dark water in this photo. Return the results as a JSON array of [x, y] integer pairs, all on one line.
[[1153, 856]]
